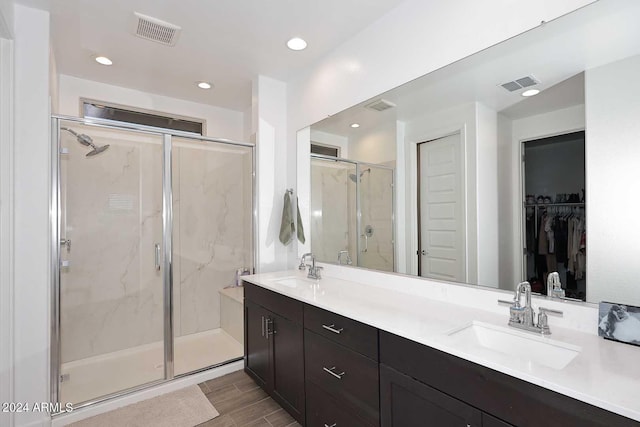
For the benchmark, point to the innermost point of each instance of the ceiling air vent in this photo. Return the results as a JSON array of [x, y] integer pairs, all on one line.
[[156, 30], [380, 105], [520, 83]]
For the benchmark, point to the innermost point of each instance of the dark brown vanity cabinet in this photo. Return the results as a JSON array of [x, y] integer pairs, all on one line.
[[420, 381], [410, 403], [328, 370], [341, 370], [274, 347]]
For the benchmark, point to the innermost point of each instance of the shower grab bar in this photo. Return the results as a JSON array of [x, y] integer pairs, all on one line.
[[157, 253]]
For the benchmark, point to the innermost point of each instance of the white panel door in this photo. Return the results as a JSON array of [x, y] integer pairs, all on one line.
[[441, 209]]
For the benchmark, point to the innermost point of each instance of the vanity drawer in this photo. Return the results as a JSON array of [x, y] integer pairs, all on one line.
[[351, 378], [350, 333], [284, 306], [323, 410]]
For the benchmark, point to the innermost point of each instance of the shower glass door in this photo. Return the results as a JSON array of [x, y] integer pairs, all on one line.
[[212, 185], [110, 296], [333, 210]]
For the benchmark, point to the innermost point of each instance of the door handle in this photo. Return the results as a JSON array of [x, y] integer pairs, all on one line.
[[157, 256], [425, 252], [366, 243], [262, 324]]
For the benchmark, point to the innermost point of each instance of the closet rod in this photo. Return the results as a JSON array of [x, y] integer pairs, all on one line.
[[553, 204], [543, 205]]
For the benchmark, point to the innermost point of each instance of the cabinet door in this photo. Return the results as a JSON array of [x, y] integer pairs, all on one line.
[[405, 402], [490, 421], [287, 364], [256, 342]]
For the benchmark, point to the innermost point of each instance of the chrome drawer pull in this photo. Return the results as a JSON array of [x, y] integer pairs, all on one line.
[[332, 425], [332, 328], [330, 371]]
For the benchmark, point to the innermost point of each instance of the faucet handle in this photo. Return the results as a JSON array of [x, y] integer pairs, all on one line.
[[512, 303], [550, 311], [319, 272]]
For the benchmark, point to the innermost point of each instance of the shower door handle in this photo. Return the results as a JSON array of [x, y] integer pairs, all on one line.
[[157, 256], [366, 243]]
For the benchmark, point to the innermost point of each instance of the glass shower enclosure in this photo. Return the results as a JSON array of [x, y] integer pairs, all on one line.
[[149, 227], [352, 219]]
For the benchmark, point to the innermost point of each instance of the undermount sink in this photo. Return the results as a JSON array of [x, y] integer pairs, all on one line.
[[293, 281], [483, 339]]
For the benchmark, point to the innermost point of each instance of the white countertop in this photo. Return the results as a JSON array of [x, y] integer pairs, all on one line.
[[605, 374]]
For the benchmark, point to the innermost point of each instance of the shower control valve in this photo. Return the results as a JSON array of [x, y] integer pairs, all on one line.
[[67, 243]]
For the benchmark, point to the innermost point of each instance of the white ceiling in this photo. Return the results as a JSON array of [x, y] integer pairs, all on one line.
[[554, 53], [226, 42]]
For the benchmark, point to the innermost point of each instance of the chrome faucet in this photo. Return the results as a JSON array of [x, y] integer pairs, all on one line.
[[314, 272], [523, 317], [349, 261]]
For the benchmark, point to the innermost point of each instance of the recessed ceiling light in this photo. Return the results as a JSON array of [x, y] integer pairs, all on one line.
[[530, 92], [204, 85], [103, 60], [355, 125], [296, 43]]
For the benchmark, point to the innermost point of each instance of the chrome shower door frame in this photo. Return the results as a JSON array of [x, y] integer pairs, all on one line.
[[167, 244]]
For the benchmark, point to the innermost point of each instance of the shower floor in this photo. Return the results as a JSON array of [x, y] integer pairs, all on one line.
[[94, 377]]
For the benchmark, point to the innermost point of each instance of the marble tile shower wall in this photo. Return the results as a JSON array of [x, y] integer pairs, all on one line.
[[111, 293], [212, 230], [376, 201]]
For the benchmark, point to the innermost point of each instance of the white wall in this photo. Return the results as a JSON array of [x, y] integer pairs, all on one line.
[[269, 124], [403, 45], [331, 139], [512, 134], [487, 195], [6, 226], [375, 145], [32, 193], [612, 158], [506, 186], [54, 82], [221, 122], [6, 18]]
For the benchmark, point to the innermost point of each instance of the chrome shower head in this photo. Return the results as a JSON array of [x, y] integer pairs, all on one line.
[[87, 141], [96, 150], [354, 178]]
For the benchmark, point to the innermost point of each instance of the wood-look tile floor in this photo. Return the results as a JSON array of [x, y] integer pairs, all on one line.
[[241, 403]]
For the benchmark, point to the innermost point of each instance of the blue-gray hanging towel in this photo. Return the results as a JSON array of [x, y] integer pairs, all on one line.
[[300, 227], [287, 227]]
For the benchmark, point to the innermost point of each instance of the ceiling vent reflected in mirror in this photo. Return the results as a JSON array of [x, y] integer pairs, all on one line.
[[380, 105], [520, 83], [156, 30]]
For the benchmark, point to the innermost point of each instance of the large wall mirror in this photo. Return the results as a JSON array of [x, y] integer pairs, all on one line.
[[460, 176]]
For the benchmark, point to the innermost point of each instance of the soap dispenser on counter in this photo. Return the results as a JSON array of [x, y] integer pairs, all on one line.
[[554, 287]]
